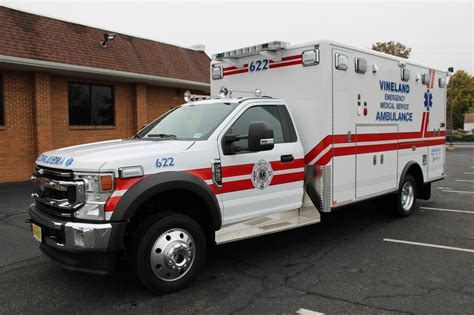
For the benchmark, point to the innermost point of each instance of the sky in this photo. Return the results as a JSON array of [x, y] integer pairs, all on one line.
[[439, 33]]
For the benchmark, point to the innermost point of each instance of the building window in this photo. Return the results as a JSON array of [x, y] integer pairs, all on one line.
[[2, 109], [90, 105]]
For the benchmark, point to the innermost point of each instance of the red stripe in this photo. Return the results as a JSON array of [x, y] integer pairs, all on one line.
[[124, 184], [287, 58], [409, 145], [203, 173], [409, 135], [285, 64], [237, 170], [317, 149], [278, 166], [244, 169], [344, 151], [214, 189], [236, 185], [437, 142], [272, 66], [375, 148], [375, 137], [244, 70], [246, 184], [235, 68], [324, 159], [423, 123], [291, 57], [120, 184], [323, 144], [112, 203], [432, 79], [271, 61], [426, 124], [427, 121], [285, 61], [230, 68], [432, 134], [287, 178]]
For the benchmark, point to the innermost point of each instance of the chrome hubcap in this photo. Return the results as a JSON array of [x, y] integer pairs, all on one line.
[[408, 196], [172, 255]]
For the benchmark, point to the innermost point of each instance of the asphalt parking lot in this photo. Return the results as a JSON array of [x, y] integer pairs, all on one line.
[[355, 261]]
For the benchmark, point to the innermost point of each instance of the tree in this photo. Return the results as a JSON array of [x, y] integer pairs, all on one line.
[[392, 48], [460, 97]]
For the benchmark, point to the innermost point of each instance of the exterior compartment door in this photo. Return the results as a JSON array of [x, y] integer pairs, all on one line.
[[376, 162], [346, 86]]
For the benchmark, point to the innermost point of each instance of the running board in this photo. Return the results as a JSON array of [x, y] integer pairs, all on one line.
[[268, 224]]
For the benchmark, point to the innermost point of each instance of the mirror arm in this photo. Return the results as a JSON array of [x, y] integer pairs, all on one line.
[[233, 138]]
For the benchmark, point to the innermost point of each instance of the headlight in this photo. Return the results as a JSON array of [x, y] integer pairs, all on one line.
[[98, 189]]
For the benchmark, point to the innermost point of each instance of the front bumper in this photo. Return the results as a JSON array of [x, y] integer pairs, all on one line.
[[89, 247]]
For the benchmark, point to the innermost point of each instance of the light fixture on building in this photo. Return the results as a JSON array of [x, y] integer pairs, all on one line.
[[107, 37]]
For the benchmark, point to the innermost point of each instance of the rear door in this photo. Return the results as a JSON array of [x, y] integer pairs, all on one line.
[[435, 106], [258, 183]]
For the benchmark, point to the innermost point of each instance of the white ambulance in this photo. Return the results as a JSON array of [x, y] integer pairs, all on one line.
[[293, 131]]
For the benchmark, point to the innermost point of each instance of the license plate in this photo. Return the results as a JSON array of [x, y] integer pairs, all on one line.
[[36, 232]]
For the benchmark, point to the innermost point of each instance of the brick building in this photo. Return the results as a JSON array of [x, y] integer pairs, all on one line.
[[59, 86]]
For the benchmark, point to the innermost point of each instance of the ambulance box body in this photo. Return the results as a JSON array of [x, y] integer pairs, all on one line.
[[363, 116]]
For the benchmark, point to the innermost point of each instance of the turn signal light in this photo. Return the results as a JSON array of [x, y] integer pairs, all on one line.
[[106, 182]]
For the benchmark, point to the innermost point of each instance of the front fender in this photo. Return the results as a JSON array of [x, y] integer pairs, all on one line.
[[151, 185]]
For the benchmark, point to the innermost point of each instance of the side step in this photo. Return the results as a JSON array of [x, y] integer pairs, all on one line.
[[272, 223]]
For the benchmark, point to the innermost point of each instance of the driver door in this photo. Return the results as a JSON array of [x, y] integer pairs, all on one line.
[[263, 182]]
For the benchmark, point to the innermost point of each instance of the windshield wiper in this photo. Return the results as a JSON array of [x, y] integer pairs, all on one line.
[[162, 135]]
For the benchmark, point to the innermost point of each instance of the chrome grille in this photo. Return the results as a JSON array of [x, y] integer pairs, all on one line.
[[57, 191]]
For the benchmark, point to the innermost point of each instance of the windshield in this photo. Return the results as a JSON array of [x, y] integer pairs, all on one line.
[[188, 122]]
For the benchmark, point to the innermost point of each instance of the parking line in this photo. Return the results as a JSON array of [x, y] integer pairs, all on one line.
[[459, 191], [465, 180], [447, 210], [469, 173], [429, 245]]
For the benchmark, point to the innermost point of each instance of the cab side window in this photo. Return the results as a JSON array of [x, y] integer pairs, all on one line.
[[275, 115]]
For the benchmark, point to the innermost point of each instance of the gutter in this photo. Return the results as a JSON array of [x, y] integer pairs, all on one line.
[[49, 65]]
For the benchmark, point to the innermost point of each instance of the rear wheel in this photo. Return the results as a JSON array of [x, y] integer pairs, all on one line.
[[406, 197], [167, 252]]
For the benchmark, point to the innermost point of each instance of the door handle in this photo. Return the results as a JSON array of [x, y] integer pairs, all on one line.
[[287, 158]]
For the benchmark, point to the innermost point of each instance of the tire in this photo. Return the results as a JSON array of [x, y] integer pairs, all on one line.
[[406, 197], [167, 252]]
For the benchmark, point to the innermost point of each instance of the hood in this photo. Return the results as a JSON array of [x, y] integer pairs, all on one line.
[[92, 156]]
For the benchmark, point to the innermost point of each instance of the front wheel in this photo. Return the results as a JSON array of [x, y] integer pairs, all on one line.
[[167, 252], [406, 197]]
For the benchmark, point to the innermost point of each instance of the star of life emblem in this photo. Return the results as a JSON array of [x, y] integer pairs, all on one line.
[[428, 100], [262, 174]]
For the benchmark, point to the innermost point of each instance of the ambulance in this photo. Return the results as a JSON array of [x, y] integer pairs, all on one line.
[[292, 131]]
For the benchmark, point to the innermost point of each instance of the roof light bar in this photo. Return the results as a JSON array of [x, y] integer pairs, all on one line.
[[251, 50]]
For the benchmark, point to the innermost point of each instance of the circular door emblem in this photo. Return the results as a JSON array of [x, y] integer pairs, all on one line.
[[262, 174]]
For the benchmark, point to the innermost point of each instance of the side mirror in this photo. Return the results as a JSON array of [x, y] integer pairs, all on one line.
[[260, 136]]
